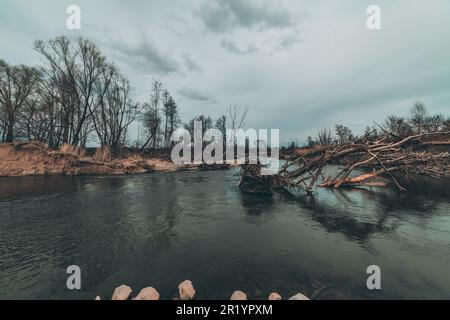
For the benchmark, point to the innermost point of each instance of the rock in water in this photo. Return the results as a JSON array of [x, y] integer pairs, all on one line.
[[238, 295], [122, 293], [299, 296], [274, 296], [148, 294], [186, 290]]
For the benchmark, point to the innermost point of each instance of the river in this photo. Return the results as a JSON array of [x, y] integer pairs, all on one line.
[[160, 229]]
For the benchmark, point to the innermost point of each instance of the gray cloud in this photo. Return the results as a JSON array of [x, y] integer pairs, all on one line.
[[145, 56], [232, 47], [194, 95], [286, 42], [341, 72], [225, 15], [190, 64]]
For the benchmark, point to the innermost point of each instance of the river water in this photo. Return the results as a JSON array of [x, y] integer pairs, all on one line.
[[160, 229]]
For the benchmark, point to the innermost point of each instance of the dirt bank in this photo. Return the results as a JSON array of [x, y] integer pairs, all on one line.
[[35, 158]]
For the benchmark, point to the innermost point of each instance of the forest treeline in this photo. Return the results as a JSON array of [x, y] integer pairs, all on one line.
[[79, 96], [419, 121]]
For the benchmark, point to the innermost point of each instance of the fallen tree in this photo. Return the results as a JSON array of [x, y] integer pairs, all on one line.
[[380, 160]]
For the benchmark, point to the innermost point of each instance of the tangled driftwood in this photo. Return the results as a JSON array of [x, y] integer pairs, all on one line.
[[379, 159]]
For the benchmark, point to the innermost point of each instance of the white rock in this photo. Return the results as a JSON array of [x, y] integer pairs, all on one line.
[[186, 290], [274, 296], [238, 295], [122, 293], [148, 294], [299, 296]]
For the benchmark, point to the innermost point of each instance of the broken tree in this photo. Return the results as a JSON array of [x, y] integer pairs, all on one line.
[[378, 162]]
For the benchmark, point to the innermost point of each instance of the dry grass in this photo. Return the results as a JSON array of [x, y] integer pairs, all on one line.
[[76, 151], [102, 154]]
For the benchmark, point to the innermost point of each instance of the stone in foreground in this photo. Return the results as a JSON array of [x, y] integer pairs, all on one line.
[[274, 296], [122, 293], [186, 290], [299, 296], [238, 295], [149, 293]]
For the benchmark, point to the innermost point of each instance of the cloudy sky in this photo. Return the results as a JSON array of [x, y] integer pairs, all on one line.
[[299, 65]]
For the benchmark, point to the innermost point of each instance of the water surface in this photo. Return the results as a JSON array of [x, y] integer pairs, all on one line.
[[160, 229]]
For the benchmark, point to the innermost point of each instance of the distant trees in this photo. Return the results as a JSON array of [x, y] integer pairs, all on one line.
[[324, 137], [152, 117], [161, 117], [344, 134], [419, 116], [221, 125], [398, 126], [419, 121], [172, 119]]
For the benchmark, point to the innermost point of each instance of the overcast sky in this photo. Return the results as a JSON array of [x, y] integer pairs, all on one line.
[[298, 65]]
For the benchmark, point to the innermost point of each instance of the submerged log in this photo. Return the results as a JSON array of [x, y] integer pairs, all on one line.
[[253, 182], [213, 166]]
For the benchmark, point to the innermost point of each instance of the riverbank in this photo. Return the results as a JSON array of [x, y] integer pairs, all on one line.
[[36, 159]]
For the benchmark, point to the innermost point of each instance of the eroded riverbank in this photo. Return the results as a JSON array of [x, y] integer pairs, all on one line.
[[35, 159]]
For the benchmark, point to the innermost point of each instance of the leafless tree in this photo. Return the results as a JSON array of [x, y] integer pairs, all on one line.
[[74, 68], [116, 110], [17, 85], [419, 116], [152, 118], [324, 137], [344, 134]]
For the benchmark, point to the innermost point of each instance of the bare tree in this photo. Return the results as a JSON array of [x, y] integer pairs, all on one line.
[[398, 126], [221, 125], [419, 116], [344, 134], [17, 84], [435, 123], [324, 137], [172, 117], [152, 118], [116, 110], [74, 68], [238, 119]]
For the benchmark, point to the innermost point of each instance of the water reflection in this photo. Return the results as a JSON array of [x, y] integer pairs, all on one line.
[[160, 229], [380, 209]]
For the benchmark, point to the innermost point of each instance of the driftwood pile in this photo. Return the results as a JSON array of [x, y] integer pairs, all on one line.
[[378, 162]]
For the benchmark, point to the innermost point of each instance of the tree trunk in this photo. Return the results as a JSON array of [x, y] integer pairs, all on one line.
[[10, 129]]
